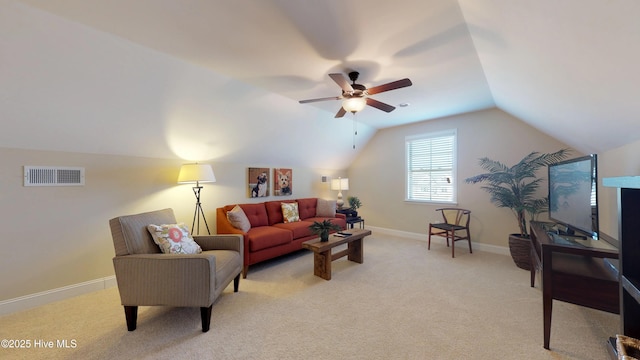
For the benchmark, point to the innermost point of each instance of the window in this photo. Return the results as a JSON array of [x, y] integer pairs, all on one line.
[[431, 167]]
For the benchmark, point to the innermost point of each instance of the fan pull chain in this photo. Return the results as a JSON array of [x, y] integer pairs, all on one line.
[[355, 130]]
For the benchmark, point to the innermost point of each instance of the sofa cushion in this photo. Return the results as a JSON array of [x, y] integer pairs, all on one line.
[[290, 212], [307, 208], [274, 211], [256, 213], [174, 239], [264, 237], [299, 229], [238, 219], [326, 208]]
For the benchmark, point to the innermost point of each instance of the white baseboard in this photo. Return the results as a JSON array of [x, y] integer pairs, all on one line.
[[53, 295], [502, 250]]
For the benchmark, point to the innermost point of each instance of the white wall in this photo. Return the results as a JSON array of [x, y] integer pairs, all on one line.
[[378, 174], [59, 236], [623, 161]]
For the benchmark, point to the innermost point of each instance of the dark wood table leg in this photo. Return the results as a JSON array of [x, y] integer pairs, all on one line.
[[547, 307], [547, 296], [355, 251], [322, 264]]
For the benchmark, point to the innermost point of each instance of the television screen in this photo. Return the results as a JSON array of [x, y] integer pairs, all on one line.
[[573, 196]]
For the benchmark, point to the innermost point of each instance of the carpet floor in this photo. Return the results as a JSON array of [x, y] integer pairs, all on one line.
[[403, 302]]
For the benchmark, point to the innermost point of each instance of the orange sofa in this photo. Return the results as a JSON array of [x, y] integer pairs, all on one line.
[[269, 236]]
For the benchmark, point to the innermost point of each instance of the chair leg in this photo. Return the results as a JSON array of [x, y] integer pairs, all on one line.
[[236, 283], [131, 314], [469, 239], [205, 314], [453, 243], [429, 241]]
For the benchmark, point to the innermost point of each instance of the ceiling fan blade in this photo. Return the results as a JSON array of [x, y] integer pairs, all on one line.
[[340, 113], [342, 82], [389, 86], [380, 105], [320, 99]]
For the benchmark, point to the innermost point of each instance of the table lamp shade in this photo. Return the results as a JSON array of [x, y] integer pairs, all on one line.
[[340, 184], [196, 173]]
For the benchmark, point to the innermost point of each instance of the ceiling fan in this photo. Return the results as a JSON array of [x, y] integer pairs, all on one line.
[[355, 96]]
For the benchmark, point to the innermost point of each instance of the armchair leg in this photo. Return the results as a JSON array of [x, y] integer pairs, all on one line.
[[131, 313], [236, 283], [245, 270], [205, 314]]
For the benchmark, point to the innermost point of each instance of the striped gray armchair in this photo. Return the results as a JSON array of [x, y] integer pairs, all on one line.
[[147, 277]]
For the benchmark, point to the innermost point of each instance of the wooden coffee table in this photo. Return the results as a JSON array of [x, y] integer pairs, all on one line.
[[322, 256]]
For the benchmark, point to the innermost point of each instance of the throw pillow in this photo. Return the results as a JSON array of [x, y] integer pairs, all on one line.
[[290, 212], [174, 239], [326, 208], [238, 219]]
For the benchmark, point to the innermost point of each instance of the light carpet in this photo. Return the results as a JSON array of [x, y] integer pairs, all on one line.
[[403, 302]]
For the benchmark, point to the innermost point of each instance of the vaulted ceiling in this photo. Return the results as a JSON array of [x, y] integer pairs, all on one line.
[[568, 68]]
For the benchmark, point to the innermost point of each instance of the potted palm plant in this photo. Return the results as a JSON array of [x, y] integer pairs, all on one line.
[[516, 187], [323, 228]]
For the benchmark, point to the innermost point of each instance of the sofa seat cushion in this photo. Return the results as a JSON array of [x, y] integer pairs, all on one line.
[[263, 237], [307, 208], [337, 220], [299, 229]]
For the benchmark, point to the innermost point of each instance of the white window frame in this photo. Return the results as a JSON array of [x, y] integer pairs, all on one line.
[[432, 196]]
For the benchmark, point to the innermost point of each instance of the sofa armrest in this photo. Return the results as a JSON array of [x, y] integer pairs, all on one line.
[[220, 242], [166, 279], [343, 216], [223, 226]]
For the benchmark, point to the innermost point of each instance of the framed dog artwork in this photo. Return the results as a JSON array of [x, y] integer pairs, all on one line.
[[282, 182], [258, 182]]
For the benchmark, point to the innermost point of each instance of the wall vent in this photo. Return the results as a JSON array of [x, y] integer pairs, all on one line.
[[53, 176]]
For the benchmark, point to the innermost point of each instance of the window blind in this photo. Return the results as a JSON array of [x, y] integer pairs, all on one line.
[[431, 167]]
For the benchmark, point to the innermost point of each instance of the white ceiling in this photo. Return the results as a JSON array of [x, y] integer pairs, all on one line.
[[568, 68]]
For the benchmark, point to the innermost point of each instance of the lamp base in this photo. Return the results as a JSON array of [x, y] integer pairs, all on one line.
[[340, 202], [197, 213]]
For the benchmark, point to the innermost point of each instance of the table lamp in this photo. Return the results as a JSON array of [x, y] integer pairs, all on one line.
[[340, 184]]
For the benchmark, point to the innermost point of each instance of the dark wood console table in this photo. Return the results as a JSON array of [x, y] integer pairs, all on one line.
[[629, 235], [574, 271]]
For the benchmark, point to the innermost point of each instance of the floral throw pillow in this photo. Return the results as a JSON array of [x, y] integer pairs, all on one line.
[[174, 239], [290, 212]]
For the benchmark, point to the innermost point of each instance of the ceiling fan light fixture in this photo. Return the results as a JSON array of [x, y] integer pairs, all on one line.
[[354, 104]]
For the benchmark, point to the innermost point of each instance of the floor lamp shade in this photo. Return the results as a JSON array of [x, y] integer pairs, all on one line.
[[196, 173]]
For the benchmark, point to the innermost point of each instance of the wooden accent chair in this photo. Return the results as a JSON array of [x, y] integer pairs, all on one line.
[[147, 277], [455, 227]]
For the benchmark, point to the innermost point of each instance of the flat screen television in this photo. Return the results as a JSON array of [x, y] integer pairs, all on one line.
[[573, 195]]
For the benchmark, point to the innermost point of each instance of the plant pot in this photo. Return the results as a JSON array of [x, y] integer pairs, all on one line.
[[324, 236], [520, 248]]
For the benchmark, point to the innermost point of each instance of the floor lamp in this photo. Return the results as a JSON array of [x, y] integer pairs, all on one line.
[[197, 173], [340, 184]]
